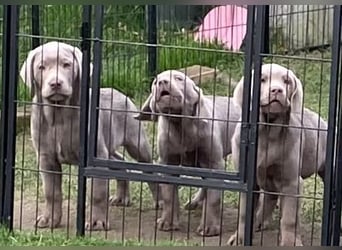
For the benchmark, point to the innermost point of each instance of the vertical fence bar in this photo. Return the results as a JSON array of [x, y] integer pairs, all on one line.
[[152, 39], [95, 82], [336, 226], [35, 26], [4, 102], [246, 92], [35, 31], [254, 118], [11, 121], [84, 115], [243, 167], [266, 34], [330, 152]]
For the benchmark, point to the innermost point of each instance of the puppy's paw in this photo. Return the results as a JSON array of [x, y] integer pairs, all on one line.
[[97, 225], [208, 231], [119, 201], [44, 221], [235, 240], [193, 205], [166, 225]]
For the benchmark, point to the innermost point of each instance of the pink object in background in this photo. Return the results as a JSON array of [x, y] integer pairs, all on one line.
[[225, 24]]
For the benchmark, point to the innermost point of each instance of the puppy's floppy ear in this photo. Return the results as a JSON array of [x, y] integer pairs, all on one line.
[[146, 107], [78, 55], [26, 71], [238, 93], [203, 109], [296, 98]]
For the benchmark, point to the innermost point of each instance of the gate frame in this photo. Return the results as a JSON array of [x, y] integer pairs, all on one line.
[[8, 117], [330, 196]]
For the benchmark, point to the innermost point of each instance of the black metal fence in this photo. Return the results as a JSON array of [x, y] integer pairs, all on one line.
[[129, 46]]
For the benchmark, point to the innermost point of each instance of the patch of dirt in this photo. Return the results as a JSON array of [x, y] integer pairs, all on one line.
[[132, 224]]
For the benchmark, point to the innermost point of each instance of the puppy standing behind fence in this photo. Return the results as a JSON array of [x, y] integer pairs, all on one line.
[[54, 71], [194, 140], [286, 154]]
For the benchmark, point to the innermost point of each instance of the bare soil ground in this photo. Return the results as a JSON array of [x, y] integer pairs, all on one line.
[[131, 224]]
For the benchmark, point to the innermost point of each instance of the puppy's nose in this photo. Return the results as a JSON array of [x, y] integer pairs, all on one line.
[[56, 85], [276, 90], [163, 82]]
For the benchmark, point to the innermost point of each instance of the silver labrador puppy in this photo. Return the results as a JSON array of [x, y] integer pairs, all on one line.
[[291, 147], [54, 71], [201, 137]]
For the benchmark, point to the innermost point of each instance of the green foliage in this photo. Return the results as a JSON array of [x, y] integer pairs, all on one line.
[[22, 238], [125, 53]]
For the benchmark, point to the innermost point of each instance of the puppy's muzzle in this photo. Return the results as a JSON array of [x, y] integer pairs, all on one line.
[[56, 85], [163, 89]]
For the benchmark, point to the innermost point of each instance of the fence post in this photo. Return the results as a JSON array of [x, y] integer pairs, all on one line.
[[254, 118], [330, 150], [10, 89], [84, 115], [337, 192], [245, 116], [97, 51], [152, 39], [337, 171], [266, 32], [4, 102], [35, 26]]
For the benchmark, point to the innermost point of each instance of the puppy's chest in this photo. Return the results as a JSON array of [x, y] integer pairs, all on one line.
[[67, 143], [271, 152], [178, 140], [184, 142]]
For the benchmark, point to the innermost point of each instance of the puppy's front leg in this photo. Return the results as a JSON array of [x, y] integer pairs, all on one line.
[[99, 202], [197, 200], [266, 205], [238, 237], [98, 218], [52, 185], [210, 221], [169, 219], [122, 197], [289, 224]]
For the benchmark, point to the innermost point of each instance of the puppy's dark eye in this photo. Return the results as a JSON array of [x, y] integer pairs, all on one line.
[[287, 81], [66, 65], [179, 78], [41, 67], [263, 80]]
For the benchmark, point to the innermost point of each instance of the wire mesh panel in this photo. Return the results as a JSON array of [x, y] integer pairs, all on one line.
[[178, 122], [298, 27], [170, 52], [40, 25]]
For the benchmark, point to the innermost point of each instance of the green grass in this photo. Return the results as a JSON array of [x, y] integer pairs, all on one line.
[[23, 238], [124, 64]]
